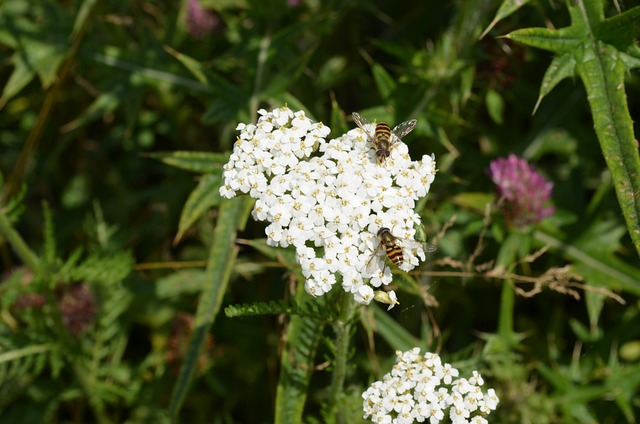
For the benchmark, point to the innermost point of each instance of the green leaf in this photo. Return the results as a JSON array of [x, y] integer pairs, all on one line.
[[200, 162], [620, 30], [40, 48], [386, 85], [562, 40], [476, 201], [561, 67], [191, 64], [602, 69], [630, 61], [107, 101], [604, 270], [201, 199], [219, 265], [602, 73], [495, 106], [506, 8], [297, 363], [392, 332], [332, 71], [21, 76], [338, 123], [180, 282], [294, 103], [229, 97], [261, 308]]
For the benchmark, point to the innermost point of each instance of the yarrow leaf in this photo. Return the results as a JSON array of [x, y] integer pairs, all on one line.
[[308, 309]]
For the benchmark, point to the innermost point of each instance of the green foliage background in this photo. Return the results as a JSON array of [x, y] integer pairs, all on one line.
[[115, 122]]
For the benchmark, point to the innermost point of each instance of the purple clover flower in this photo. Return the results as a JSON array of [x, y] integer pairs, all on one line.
[[200, 21], [523, 192]]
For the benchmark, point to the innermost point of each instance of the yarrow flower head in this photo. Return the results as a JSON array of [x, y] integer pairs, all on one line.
[[523, 191], [329, 199], [420, 388]]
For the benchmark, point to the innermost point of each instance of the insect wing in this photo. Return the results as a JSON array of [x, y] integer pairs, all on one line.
[[413, 247], [428, 247], [362, 122], [421, 234], [404, 128], [376, 261]]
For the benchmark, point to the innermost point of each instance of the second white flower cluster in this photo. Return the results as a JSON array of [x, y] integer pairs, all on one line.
[[329, 199], [420, 388]]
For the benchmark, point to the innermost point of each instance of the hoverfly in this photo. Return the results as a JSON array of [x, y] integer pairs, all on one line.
[[395, 248], [382, 138]]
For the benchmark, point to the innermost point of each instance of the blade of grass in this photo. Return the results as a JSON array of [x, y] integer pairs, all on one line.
[[222, 256]]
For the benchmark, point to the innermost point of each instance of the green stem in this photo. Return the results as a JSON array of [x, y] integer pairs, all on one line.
[[263, 55], [37, 130], [508, 255], [342, 328], [88, 386], [507, 306], [29, 258]]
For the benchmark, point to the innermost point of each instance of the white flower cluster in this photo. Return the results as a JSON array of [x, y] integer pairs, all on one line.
[[328, 199], [420, 388]]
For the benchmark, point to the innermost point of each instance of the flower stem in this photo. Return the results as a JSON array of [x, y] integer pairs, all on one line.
[[263, 55], [29, 258], [343, 329]]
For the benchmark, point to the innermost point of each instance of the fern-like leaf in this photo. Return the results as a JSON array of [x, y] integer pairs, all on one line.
[[18, 368]]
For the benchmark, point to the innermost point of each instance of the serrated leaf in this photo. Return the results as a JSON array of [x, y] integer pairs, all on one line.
[[602, 69], [385, 84], [506, 8], [561, 40], [602, 73], [630, 61], [621, 30], [201, 199], [201, 162], [561, 67]]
